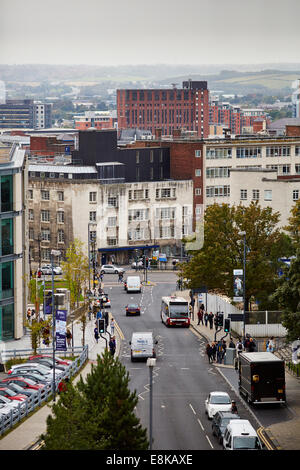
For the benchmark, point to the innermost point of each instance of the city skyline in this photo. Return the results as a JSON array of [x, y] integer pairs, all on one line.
[[136, 32]]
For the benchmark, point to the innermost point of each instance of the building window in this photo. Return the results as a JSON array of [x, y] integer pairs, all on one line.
[[216, 153], [60, 236], [45, 254], [112, 221], [138, 215], [297, 169], [165, 193], [255, 194], [248, 152], [197, 191], [45, 195], [45, 216], [45, 235], [93, 197], [111, 241], [165, 213], [218, 172], [30, 214], [198, 209], [198, 172], [61, 217], [30, 193], [268, 195], [92, 216], [60, 195], [31, 234], [243, 195], [197, 153], [112, 201], [278, 151], [216, 191], [295, 194]]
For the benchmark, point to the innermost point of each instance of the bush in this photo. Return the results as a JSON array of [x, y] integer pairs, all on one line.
[[14, 361]]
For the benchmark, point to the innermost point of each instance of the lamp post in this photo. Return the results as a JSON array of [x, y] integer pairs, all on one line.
[[151, 363], [53, 253], [243, 234]]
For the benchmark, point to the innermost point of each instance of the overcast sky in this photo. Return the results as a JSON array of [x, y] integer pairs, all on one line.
[[114, 32]]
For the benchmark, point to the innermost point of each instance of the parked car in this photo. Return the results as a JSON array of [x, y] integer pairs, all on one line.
[[240, 435], [217, 401], [132, 309], [37, 370], [220, 421], [59, 361], [42, 369], [24, 382], [6, 409], [11, 395], [105, 300], [47, 269], [11, 403], [36, 378], [48, 363], [111, 269], [28, 392]]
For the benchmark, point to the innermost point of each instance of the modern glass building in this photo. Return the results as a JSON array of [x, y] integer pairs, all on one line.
[[13, 249]]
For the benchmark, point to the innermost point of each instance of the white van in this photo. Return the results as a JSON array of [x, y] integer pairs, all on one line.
[[240, 435], [133, 284], [142, 345]]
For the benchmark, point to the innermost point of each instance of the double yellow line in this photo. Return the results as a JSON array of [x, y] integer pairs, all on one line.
[[266, 440]]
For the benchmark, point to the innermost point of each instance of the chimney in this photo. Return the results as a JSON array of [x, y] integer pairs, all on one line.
[[292, 130], [158, 133]]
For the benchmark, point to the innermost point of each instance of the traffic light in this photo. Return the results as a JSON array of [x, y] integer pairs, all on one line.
[[147, 262], [101, 325], [227, 325], [220, 319]]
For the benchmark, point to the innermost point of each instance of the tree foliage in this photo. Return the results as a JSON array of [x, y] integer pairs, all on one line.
[[223, 250], [76, 270], [97, 414]]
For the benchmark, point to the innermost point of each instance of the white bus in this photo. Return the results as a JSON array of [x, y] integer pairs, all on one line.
[[175, 311]]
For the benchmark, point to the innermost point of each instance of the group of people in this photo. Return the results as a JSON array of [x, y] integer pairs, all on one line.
[[206, 318]]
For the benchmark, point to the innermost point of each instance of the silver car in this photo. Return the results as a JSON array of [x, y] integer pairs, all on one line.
[[111, 268]]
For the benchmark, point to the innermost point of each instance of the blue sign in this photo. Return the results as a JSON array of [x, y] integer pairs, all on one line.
[[60, 330], [99, 314]]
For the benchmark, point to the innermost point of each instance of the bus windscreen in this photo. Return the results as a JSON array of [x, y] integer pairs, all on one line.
[[179, 310]]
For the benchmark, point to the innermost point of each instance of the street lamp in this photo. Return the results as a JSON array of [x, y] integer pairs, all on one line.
[[53, 253], [243, 234], [151, 362]]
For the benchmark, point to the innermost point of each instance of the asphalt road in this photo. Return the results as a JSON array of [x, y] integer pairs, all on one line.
[[182, 377]]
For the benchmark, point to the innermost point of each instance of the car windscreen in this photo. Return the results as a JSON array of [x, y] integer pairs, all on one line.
[[219, 400], [178, 310], [246, 442]]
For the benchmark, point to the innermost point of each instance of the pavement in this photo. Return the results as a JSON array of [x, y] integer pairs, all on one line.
[[284, 436]]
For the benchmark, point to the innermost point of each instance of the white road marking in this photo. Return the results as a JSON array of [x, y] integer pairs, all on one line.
[[192, 409], [200, 424], [209, 442]]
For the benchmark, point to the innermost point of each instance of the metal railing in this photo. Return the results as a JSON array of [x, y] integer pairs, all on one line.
[[15, 415]]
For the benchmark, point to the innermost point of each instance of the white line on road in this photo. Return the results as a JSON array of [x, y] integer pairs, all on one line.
[[209, 442], [192, 409], [200, 424]]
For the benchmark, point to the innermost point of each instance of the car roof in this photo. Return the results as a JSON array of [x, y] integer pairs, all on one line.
[[219, 393], [242, 426]]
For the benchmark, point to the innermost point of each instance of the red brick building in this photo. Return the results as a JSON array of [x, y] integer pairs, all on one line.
[[235, 118], [184, 108]]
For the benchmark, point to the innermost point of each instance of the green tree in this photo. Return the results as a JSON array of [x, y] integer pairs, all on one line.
[[287, 296], [294, 224], [223, 250], [97, 414], [76, 270]]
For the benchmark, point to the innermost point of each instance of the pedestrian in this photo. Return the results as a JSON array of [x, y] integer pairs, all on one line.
[[216, 321], [214, 351], [252, 345], [224, 346], [200, 316], [231, 343], [211, 320], [28, 315], [209, 352], [69, 337], [112, 345], [112, 326], [219, 352], [206, 318], [96, 334], [63, 385], [247, 342], [239, 347], [270, 345], [120, 277], [234, 409]]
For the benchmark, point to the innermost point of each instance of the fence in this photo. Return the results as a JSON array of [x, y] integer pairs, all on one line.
[[18, 413]]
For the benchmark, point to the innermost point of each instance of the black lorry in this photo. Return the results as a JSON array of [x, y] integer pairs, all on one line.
[[261, 377]]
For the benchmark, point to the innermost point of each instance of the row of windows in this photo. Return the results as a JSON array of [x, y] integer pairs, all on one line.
[[251, 152], [46, 216], [45, 195], [216, 191], [46, 235], [267, 194]]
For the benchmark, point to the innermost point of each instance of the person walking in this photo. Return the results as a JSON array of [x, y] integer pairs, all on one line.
[[112, 345], [209, 353], [219, 352], [231, 343], [200, 316], [234, 409], [252, 345], [96, 334], [206, 318], [112, 326], [239, 347], [28, 315], [211, 320], [214, 351], [69, 337]]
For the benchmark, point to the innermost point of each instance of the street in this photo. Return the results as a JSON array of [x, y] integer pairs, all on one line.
[[182, 377]]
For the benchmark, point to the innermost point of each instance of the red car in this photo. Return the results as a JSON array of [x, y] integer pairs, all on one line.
[[65, 362], [6, 392], [133, 309], [24, 382]]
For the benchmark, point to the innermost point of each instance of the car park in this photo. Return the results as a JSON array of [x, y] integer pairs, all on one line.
[[34, 371], [220, 421], [217, 401], [48, 363], [240, 435], [25, 382], [11, 403], [42, 369], [11, 395], [132, 309], [111, 269], [57, 360]]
